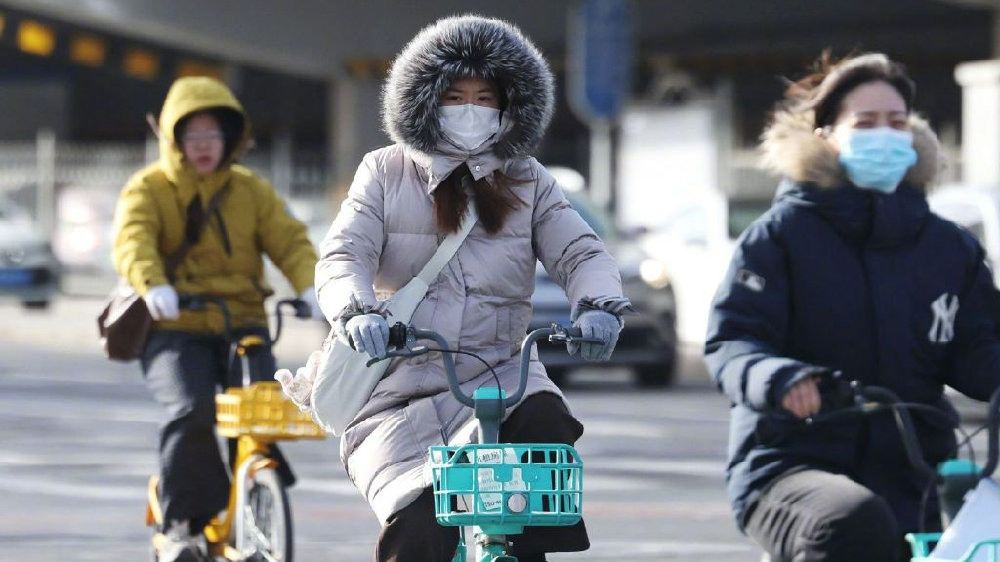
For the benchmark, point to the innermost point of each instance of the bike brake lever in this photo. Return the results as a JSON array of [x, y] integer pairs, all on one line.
[[302, 309], [405, 352]]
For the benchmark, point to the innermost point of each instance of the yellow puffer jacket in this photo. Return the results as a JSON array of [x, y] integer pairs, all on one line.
[[150, 220]]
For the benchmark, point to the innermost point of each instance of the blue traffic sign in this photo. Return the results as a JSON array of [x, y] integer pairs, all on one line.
[[600, 58]]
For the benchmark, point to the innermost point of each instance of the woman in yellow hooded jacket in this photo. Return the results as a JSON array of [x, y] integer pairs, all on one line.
[[202, 130]]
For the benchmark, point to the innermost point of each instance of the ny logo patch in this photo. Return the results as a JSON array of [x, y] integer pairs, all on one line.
[[945, 309]]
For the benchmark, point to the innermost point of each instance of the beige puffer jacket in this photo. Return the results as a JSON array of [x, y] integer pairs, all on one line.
[[386, 232]]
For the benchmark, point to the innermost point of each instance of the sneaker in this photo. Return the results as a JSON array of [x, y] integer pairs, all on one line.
[[179, 545]]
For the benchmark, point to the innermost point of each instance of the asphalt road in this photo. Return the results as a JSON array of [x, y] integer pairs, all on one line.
[[79, 434]]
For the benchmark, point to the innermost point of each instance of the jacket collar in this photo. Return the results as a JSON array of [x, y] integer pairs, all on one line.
[[435, 166], [861, 216]]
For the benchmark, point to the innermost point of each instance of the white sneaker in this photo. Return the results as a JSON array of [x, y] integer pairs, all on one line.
[[179, 545]]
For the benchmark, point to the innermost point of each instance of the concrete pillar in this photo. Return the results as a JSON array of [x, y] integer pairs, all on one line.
[[980, 81], [45, 197], [355, 126], [282, 165]]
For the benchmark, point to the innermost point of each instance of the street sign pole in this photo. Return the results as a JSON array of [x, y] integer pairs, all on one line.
[[601, 157], [600, 61]]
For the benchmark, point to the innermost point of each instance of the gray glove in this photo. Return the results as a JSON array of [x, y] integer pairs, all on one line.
[[370, 333], [599, 325]]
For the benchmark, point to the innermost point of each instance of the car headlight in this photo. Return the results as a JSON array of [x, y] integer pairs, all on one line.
[[654, 273]]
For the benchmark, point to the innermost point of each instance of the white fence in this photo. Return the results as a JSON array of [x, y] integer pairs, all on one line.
[[32, 173]]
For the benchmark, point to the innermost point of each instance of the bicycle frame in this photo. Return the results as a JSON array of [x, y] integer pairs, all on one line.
[[256, 415], [872, 398], [492, 478]]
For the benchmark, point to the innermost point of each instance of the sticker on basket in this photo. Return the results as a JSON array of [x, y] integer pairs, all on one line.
[[496, 456], [516, 484], [487, 483]]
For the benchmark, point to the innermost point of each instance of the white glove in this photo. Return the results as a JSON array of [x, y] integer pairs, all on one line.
[[299, 387], [309, 297], [161, 301]]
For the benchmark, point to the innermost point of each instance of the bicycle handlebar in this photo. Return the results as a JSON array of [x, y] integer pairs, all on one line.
[[188, 301], [401, 335], [869, 399]]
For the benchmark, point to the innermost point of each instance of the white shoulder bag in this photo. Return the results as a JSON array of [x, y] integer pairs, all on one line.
[[344, 383]]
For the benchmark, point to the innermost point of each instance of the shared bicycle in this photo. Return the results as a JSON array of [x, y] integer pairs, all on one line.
[[497, 489], [256, 525], [959, 479]]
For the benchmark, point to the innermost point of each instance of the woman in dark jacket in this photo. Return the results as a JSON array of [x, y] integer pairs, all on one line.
[[848, 271]]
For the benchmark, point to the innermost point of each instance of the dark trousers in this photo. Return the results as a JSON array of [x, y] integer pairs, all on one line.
[[413, 535], [812, 516], [184, 371]]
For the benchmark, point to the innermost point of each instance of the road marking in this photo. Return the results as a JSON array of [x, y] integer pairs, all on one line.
[[627, 548], [333, 487], [714, 469], [51, 487]]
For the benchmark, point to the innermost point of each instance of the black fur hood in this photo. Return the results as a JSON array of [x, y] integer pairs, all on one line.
[[464, 47]]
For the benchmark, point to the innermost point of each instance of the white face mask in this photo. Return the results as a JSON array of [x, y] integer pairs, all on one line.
[[469, 126]]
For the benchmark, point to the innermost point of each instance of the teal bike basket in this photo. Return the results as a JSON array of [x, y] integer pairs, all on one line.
[[982, 551], [509, 484]]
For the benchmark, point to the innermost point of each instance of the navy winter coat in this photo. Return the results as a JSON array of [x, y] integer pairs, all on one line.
[[872, 285]]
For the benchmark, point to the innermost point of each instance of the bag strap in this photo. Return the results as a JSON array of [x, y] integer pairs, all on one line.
[[177, 256], [449, 246]]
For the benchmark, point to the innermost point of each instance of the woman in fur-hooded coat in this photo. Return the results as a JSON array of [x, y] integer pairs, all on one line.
[[389, 227], [867, 283]]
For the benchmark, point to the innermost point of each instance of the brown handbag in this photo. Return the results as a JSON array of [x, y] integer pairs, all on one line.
[[125, 322]]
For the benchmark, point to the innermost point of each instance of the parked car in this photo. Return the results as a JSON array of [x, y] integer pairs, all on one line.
[[695, 242], [648, 343], [82, 237], [977, 209], [29, 271]]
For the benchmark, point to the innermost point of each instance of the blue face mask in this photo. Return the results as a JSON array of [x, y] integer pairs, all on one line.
[[877, 158]]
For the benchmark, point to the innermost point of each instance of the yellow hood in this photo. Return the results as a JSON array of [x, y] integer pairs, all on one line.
[[191, 95]]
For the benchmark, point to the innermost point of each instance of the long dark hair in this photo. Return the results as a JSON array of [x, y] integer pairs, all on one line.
[[492, 194]]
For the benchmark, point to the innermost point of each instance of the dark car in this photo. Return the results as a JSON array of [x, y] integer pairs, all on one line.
[[648, 343], [29, 271]]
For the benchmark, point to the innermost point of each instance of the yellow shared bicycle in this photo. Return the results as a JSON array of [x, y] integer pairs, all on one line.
[[257, 522]]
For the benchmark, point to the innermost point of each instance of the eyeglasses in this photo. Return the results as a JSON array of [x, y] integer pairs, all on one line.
[[206, 136]]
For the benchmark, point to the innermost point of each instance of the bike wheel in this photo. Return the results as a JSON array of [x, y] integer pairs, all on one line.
[[264, 530]]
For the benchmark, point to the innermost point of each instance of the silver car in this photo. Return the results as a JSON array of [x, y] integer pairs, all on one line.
[[29, 271]]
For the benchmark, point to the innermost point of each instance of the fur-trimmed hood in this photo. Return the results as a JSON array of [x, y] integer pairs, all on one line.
[[463, 47], [791, 149]]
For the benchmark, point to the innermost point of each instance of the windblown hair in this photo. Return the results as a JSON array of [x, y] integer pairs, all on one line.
[[823, 90], [493, 197], [468, 47], [791, 149]]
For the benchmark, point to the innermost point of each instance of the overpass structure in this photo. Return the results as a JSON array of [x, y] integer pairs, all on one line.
[[310, 70]]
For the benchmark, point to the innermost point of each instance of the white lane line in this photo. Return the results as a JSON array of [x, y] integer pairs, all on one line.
[[130, 491], [612, 428], [333, 487], [625, 548], [89, 377], [64, 409], [72, 458], [48, 487], [715, 469]]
